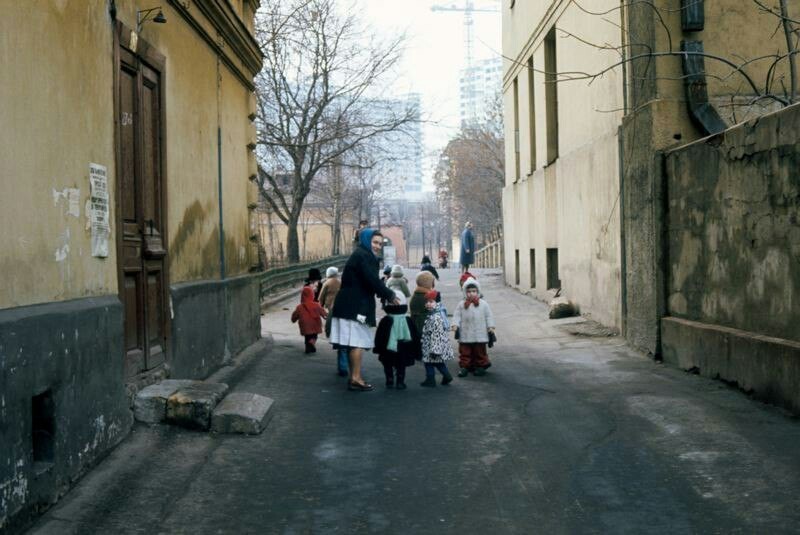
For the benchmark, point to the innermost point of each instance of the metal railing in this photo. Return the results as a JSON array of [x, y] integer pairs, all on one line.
[[286, 276], [490, 255]]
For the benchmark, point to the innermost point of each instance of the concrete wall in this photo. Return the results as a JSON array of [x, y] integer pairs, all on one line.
[[572, 203], [733, 246], [71, 349]]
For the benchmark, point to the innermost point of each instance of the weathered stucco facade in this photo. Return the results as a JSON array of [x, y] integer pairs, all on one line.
[[561, 216], [687, 247], [583, 168], [69, 328]]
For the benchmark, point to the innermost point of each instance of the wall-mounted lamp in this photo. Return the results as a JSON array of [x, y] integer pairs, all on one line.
[[144, 16]]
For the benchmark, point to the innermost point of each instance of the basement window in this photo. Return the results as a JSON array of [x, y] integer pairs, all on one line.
[[43, 427], [533, 267], [553, 282]]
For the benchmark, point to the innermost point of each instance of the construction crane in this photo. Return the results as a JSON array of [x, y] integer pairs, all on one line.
[[469, 23]]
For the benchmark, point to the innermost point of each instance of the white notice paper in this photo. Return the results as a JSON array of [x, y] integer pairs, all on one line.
[[99, 209]]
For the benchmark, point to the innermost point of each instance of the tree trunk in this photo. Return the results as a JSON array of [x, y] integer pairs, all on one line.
[[337, 227], [292, 241]]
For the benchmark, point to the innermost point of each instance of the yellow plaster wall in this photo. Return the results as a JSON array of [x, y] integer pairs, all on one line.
[[237, 132], [57, 117], [201, 95], [572, 203]]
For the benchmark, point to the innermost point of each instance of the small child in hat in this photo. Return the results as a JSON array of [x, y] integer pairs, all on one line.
[[397, 342], [474, 322], [326, 298], [314, 280], [416, 307], [309, 315], [397, 281], [436, 348]]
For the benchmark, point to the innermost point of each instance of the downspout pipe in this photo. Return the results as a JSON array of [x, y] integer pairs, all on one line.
[[219, 197], [702, 112]]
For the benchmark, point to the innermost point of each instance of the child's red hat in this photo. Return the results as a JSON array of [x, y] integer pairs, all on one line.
[[466, 275], [431, 295]]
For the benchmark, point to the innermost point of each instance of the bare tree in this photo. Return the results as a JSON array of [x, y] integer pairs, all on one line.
[[471, 174], [320, 65]]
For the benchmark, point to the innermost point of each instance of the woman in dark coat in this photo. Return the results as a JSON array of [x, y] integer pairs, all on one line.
[[354, 308], [467, 248]]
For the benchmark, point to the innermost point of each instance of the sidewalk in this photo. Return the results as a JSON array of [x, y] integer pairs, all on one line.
[[566, 434]]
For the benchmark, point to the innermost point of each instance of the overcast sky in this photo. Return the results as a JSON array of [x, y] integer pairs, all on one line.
[[435, 53]]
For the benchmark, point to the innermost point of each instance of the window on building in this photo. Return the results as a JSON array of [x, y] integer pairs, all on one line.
[[516, 267], [551, 95], [516, 129], [533, 267], [531, 115], [552, 269], [43, 427]]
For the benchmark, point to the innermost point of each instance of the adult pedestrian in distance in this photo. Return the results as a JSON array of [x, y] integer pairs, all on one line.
[[467, 248], [354, 307]]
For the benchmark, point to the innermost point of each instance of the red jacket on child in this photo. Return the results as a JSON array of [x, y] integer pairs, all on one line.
[[309, 313]]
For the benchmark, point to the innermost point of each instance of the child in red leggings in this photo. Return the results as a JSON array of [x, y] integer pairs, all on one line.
[[474, 321]]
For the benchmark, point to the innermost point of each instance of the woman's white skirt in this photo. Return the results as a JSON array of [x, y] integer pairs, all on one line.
[[350, 333]]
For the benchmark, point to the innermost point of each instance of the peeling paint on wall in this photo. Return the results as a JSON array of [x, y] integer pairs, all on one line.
[[71, 198]]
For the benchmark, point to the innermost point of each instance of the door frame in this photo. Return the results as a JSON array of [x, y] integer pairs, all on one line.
[[146, 53]]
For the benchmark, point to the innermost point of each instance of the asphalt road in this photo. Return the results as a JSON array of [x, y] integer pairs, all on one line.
[[566, 434]]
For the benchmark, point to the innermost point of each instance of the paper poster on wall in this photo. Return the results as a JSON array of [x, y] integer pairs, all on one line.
[[99, 209]]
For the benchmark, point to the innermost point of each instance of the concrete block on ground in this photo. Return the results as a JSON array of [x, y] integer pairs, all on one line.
[[192, 406], [242, 412], [561, 307], [150, 404]]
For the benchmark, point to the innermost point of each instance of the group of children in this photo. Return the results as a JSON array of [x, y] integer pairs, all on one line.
[[413, 330]]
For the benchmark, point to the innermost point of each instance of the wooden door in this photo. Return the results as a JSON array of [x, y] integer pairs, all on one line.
[[141, 208]]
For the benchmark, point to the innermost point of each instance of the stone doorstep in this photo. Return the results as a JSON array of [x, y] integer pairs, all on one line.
[[242, 412], [192, 406], [150, 404]]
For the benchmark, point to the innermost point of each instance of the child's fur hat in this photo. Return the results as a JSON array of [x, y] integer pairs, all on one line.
[[425, 279]]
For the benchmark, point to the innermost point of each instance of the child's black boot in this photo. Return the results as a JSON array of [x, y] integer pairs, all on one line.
[[401, 379], [447, 378], [430, 381], [389, 376]]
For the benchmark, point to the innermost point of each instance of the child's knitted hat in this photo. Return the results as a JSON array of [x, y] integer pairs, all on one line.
[[397, 271], [464, 276], [431, 295], [425, 279], [331, 272]]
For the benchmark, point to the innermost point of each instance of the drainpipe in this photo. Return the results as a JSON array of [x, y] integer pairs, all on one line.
[[219, 180], [219, 189]]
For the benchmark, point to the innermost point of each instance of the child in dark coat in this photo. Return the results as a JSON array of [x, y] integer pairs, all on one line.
[[397, 343], [309, 314]]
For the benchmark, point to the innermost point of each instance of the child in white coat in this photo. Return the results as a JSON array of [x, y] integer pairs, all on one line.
[[474, 321]]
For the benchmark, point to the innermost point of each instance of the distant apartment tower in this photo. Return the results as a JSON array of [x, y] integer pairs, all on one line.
[[477, 87], [401, 163]]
